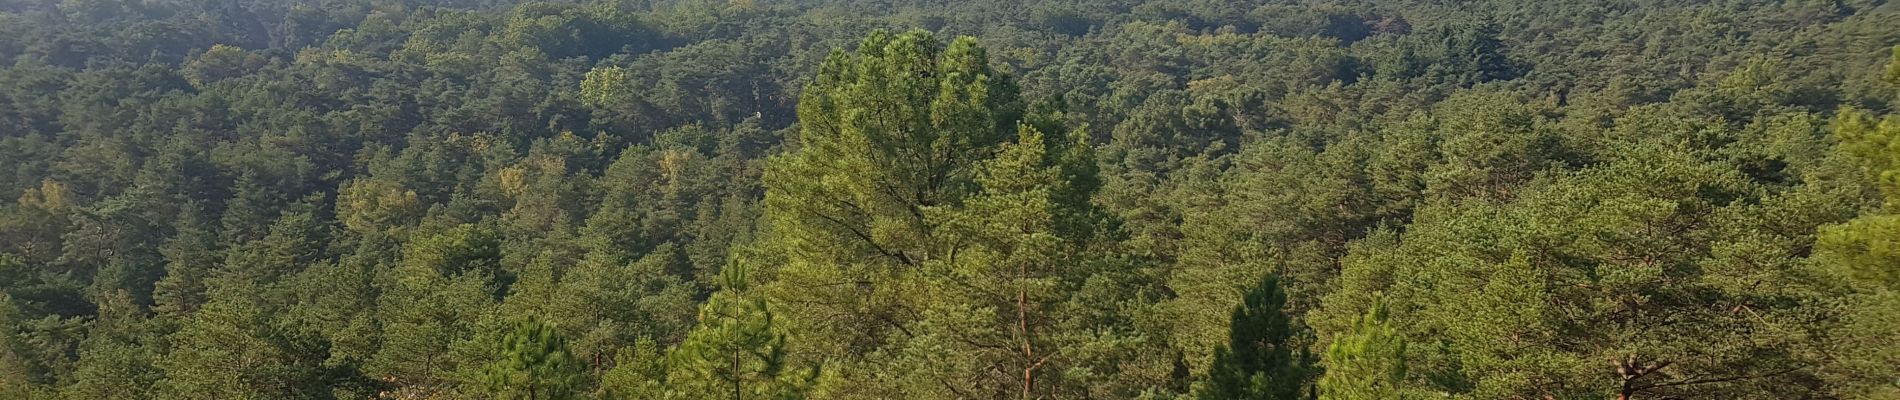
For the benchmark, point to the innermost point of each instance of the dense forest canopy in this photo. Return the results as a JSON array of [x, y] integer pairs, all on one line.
[[899, 199]]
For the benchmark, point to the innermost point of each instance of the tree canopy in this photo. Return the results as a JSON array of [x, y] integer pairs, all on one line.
[[855, 199]]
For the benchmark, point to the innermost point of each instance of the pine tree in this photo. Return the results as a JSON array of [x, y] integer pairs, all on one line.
[[1866, 249], [235, 348], [1367, 363], [614, 301], [432, 302], [991, 319], [533, 364], [16, 366], [885, 133], [337, 302], [1498, 284], [1865, 252], [190, 256], [1261, 360], [1893, 67], [117, 360], [737, 352]]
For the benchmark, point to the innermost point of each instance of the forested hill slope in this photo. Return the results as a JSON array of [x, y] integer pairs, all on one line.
[[844, 199]]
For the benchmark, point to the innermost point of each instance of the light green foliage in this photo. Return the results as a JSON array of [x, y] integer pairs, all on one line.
[[736, 352], [370, 205], [1865, 249], [1490, 144], [1366, 363], [1893, 67], [911, 238], [189, 259], [1261, 228], [1873, 140], [220, 62], [434, 299], [1601, 257], [1865, 253], [1865, 348], [614, 304], [607, 88]]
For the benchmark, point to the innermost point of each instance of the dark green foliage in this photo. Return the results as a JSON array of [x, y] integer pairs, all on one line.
[[1262, 358], [127, 348], [533, 363]]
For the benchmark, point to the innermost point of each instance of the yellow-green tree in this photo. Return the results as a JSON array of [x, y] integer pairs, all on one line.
[[1367, 363], [1865, 254]]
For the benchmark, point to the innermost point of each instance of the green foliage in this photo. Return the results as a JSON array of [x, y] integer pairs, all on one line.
[[1601, 257], [435, 298], [992, 315], [14, 361], [533, 363], [1863, 252], [1893, 67], [1262, 359], [1367, 362], [125, 348], [885, 133], [351, 198], [235, 348], [735, 352]]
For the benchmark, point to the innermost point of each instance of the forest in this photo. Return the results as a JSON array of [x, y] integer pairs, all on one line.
[[979, 199]]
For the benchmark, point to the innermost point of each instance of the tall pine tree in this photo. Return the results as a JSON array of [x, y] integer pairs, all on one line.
[[1261, 360], [885, 132]]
